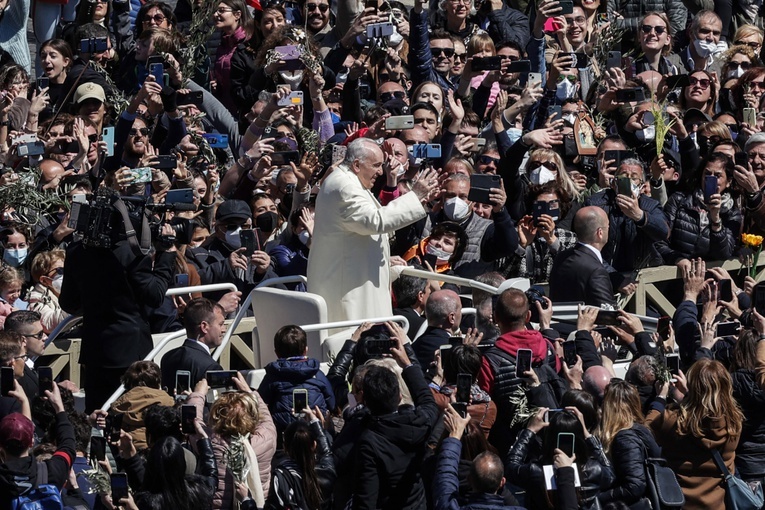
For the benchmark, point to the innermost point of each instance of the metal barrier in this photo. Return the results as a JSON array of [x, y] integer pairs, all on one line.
[[464, 282], [356, 322], [213, 287]]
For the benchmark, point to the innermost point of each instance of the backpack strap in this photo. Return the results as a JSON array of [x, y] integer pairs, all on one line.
[[42, 473], [145, 244], [720, 463]]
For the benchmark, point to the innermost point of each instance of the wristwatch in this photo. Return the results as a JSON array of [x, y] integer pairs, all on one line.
[[246, 161]]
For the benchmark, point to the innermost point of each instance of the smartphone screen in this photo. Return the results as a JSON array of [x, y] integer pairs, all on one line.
[[663, 327], [182, 381], [725, 290], [759, 298], [119, 486], [446, 352], [569, 353], [461, 408], [523, 362], [710, 186], [299, 400], [673, 363], [188, 415], [45, 377], [566, 443], [116, 428], [249, 241], [6, 380], [182, 280], [464, 381], [97, 448]]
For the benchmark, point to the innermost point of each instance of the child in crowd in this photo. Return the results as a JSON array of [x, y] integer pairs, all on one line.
[[11, 281]]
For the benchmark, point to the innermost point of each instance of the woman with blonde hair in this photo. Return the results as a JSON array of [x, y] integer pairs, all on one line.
[[749, 35], [708, 418], [655, 38], [48, 275], [239, 419], [627, 443]]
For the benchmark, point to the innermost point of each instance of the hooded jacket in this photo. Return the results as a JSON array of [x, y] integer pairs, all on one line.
[[390, 450], [133, 404], [285, 375]]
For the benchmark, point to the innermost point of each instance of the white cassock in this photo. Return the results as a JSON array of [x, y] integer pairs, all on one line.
[[350, 253]]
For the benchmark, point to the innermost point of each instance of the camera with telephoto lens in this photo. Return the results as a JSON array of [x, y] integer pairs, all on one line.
[[536, 295]]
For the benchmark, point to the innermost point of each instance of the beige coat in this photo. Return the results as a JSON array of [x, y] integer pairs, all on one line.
[[350, 252]]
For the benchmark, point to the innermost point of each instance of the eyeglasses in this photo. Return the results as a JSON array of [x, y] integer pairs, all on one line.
[[387, 96], [753, 45], [462, 57], [322, 7], [549, 164], [437, 52], [57, 271], [157, 18], [143, 131], [758, 84], [223, 10], [487, 160], [93, 138], [742, 65], [22, 356], [658, 29], [570, 78], [457, 2], [579, 20], [36, 336], [232, 227], [701, 82]]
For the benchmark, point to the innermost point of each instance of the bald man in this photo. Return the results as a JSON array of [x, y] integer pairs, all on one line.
[[578, 274], [52, 173], [595, 380]]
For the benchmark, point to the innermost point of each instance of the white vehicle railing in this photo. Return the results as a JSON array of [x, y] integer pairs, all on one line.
[[213, 287], [65, 325]]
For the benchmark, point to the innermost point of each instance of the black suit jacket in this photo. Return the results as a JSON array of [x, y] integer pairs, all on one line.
[[9, 405], [425, 346], [30, 383], [414, 318], [190, 356], [578, 275]]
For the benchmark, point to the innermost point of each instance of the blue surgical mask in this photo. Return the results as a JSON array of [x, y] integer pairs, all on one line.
[[15, 257], [335, 117]]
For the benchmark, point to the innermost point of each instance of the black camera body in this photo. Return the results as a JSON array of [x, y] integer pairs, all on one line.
[[536, 295]]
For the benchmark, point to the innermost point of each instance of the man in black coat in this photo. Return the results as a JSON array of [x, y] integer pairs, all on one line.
[[27, 323], [578, 274], [110, 288], [205, 327], [444, 314]]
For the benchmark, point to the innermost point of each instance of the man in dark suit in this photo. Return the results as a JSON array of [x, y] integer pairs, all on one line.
[[27, 323], [443, 312], [578, 274], [205, 327], [411, 295], [13, 354]]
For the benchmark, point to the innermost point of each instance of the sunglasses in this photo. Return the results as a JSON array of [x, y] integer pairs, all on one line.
[[753, 45], [92, 138], [648, 28], [387, 96], [549, 164], [447, 52], [157, 18], [487, 160], [701, 82], [758, 84], [742, 65], [143, 131], [322, 7], [462, 57]]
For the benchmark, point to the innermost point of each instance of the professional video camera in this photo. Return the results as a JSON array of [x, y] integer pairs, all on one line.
[[109, 218]]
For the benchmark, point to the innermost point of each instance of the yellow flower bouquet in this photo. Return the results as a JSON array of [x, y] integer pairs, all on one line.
[[754, 243]]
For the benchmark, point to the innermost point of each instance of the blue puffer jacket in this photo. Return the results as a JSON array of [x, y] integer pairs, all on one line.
[[285, 375], [420, 56]]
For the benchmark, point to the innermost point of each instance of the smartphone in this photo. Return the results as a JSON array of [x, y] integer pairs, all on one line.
[[581, 60], [375, 348], [371, 4], [519, 66], [284, 158], [141, 175], [430, 259], [555, 111], [729, 328], [291, 56], [249, 241], [677, 81], [6, 380], [522, 362], [107, 136], [378, 30], [566, 443], [710, 186], [93, 45], [480, 187], [188, 415], [338, 153], [648, 118], [166, 162], [461, 408], [614, 59], [741, 159], [158, 71], [42, 83], [182, 377], [605, 332], [750, 117], [477, 144], [446, 352], [220, 378], [422, 150], [539, 208], [725, 290], [624, 186], [399, 122], [299, 400], [464, 382], [35, 149], [569, 353], [119, 486], [662, 327], [45, 377], [631, 95], [566, 7], [195, 97], [180, 196], [617, 156], [673, 363], [607, 318], [487, 63], [759, 298], [97, 448], [549, 413], [295, 98], [116, 427], [217, 141], [181, 280], [534, 78]]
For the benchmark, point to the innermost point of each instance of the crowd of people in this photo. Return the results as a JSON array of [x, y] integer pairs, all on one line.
[[153, 145]]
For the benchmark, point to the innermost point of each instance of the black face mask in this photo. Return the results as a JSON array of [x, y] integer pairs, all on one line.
[[267, 222], [570, 150]]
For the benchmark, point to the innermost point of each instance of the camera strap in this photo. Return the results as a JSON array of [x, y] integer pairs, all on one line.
[[145, 245]]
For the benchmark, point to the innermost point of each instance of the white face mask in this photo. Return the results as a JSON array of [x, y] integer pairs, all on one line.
[[292, 78], [646, 135], [738, 72], [395, 38], [437, 252], [401, 170], [704, 48], [456, 209], [636, 188], [56, 283], [233, 239], [514, 134], [565, 90], [304, 237], [569, 119], [541, 175]]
